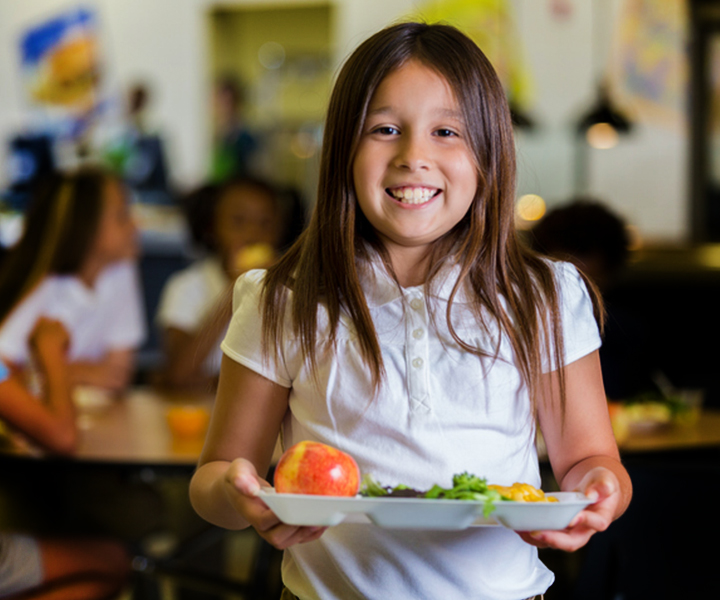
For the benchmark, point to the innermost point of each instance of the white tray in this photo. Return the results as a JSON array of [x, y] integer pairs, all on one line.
[[422, 513]]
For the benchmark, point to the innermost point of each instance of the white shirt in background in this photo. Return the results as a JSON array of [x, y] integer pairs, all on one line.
[[108, 317], [440, 411], [189, 297]]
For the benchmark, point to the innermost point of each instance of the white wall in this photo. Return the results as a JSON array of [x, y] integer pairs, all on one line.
[[164, 41]]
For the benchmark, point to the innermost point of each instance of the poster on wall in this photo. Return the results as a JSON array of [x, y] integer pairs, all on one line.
[[62, 73], [491, 25], [649, 69]]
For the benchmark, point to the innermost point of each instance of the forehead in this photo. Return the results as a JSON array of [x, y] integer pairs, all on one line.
[[415, 85], [245, 196]]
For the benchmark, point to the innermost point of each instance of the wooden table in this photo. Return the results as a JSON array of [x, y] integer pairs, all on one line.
[[131, 435], [701, 435], [134, 429]]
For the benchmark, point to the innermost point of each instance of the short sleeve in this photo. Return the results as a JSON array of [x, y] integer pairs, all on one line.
[[243, 341], [581, 335], [122, 302], [182, 302]]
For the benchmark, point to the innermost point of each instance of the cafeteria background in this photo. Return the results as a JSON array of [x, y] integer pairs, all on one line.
[[614, 99]]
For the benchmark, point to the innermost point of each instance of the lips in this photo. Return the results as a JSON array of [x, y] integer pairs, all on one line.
[[407, 194]]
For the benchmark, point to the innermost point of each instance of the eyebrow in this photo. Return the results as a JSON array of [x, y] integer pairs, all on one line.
[[443, 112]]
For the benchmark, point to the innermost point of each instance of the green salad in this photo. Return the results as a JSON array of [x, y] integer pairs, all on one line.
[[464, 487]]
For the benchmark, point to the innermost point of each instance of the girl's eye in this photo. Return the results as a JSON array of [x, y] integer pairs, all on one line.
[[445, 133], [386, 130]]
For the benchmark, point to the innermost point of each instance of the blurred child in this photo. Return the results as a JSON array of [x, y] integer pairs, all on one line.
[[588, 234], [74, 263], [240, 226], [52, 568], [235, 148]]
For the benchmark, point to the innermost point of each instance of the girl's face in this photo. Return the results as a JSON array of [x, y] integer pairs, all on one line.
[[414, 172], [116, 237], [244, 215]]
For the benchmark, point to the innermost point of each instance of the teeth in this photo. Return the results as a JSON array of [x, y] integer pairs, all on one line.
[[413, 195]]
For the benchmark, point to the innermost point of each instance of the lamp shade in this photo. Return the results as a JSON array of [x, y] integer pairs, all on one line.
[[604, 112]]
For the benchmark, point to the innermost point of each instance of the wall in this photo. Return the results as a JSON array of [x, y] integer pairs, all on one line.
[[166, 42]]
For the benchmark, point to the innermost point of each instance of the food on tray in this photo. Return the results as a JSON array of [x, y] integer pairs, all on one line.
[[522, 492], [317, 469], [255, 256], [465, 487]]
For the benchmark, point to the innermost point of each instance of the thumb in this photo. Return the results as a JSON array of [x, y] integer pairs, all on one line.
[[244, 477], [599, 483]]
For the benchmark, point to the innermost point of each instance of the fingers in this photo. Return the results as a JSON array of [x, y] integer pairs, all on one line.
[[243, 480]]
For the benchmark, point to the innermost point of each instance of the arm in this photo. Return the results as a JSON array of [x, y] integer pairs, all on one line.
[[247, 415], [583, 453], [113, 371], [186, 352], [50, 424]]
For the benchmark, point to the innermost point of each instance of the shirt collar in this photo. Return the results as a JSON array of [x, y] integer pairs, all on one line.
[[380, 288]]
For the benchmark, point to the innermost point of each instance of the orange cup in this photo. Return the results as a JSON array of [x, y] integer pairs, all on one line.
[[188, 421]]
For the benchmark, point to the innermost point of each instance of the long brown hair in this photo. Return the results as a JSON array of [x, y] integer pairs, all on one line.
[[60, 227], [510, 286]]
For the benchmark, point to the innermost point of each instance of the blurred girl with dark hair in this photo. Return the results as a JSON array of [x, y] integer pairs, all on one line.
[[75, 263], [238, 226]]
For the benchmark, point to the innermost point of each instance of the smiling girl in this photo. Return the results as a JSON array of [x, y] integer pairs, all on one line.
[[409, 328]]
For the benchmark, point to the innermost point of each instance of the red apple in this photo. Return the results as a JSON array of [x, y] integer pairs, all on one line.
[[315, 468]]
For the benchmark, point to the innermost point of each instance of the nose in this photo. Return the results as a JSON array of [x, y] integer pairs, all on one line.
[[413, 154]]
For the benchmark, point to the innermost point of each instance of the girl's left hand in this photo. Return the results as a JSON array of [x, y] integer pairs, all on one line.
[[602, 486]]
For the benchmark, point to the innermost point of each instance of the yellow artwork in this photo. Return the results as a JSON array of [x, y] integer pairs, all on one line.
[[491, 26]]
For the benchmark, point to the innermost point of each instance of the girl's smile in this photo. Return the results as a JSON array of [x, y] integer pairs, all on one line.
[[415, 175]]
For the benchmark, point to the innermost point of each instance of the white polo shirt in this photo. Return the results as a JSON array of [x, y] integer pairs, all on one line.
[[189, 297], [109, 316], [440, 411]]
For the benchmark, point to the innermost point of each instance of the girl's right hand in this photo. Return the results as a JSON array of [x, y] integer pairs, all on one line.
[[242, 485], [49, 340]]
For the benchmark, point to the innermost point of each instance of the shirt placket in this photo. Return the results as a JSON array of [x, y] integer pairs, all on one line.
[[417, 352]]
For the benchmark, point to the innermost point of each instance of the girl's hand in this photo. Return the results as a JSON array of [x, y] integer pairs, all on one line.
[[49, 340], [602, 486], [241, 486]]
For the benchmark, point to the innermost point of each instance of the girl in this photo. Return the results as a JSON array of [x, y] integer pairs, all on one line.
[[60, 567], [195, 306], [409, 328], [73, 264]]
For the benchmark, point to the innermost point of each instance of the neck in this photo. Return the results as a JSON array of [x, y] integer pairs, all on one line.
[[410, 265], [90, 271]]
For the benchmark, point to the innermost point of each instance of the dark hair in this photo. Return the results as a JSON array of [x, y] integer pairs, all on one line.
[[60, 227], [201, 203], [511, 286], [231, 86], [582, 228]]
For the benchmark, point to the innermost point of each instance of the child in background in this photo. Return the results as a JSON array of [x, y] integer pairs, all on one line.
[[75, 263], [409, 328], [239, 225], [52, 568]]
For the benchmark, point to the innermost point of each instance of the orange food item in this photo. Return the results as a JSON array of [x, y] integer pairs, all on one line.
[[522, 492], [188, 421]]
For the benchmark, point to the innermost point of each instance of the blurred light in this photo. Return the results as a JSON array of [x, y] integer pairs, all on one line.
[[530, 207], [303, 144], [602, 136], [271, 55]]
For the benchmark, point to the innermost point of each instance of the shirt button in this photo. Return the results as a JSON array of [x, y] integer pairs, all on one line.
[[417, 362], [418, 333], [416, 303]]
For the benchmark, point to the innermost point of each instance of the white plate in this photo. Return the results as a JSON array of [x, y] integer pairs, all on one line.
[[421, 513]]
